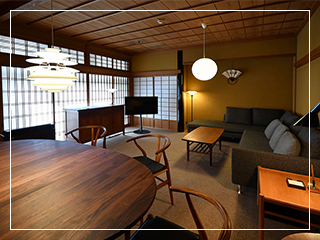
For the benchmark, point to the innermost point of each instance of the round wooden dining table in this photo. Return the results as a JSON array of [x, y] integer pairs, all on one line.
[[65, 190]]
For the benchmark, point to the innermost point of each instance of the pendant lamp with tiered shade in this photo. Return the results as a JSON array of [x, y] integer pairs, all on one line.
[[52, 72]]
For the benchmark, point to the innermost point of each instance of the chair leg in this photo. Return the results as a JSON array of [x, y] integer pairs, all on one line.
[[127, 235], [169, 185]]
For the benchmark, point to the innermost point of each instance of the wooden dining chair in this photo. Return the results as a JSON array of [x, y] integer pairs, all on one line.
[[96, 132], [161, 223], [155, 166]]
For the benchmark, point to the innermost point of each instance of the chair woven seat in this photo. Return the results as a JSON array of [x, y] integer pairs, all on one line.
[[153, 166]]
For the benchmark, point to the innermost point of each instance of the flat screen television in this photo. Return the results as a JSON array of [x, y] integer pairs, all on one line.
[[141, 105]]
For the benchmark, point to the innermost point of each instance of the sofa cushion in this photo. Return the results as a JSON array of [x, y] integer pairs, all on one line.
[[276, 135], [263, 116], [238, 115], [254, 140], [289, 118], [288, 144], [271, 127], [303, 137]]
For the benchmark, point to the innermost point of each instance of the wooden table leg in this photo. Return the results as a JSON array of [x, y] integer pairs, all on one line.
[[210, 146], [220, 143], [187, 150], [261, 217]]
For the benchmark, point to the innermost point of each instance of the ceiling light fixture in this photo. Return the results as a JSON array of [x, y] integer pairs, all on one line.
[[159, 21], [232, 75], [52, 73], [204, 68]]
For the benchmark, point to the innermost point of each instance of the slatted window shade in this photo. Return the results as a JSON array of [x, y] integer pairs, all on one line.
[[29, 105], [72, 97], [122, 86], [98, 89], [107, 62], [165, 88], [143, 86]]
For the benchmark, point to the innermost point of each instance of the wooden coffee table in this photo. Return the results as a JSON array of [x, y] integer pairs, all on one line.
[[203, 140], [273, 189]]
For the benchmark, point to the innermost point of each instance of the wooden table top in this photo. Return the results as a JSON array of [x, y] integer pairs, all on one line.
[[278, 192], [208, 135], [66, 185]]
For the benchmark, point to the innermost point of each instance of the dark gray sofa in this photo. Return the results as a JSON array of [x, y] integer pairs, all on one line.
[[254, 150], [236, 120]]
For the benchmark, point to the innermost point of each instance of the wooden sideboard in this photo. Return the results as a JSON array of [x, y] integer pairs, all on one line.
[[111, 117]]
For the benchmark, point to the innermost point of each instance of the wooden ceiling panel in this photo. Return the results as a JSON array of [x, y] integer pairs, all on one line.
[[292, 24], [232, 16], [194, 24], [179, 26], [257, 12], [236, 32], [212, 20], [185, 15], [273, 18], [250, 3], [227, 5], [137, 32], [206, 10], [295, 15], [253, 22], [306, 5], [250, 30], [175, 4], [272, 27], [232, 25]]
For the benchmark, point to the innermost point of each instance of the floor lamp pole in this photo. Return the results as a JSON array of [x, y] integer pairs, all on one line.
[[191, 108], [191, 94]]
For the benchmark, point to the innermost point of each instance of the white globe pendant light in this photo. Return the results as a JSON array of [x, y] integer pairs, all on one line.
[[204, 68]]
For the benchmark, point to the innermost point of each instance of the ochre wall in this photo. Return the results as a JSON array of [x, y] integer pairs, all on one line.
[[154, 62], [265, 83], [302, 73]]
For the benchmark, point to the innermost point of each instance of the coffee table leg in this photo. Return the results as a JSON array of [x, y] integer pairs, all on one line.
[[220, 144], [261, 216], [187, 150], [210, 146]]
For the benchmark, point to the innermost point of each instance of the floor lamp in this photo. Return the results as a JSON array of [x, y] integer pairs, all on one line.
[[191, 94]]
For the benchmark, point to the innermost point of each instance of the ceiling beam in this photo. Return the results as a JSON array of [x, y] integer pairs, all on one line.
[[21, 6]]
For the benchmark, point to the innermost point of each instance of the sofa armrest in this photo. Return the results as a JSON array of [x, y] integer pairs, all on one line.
[[245, 163]]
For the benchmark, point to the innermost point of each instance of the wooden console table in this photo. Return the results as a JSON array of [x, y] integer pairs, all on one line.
[[273, 189], [111, 117]]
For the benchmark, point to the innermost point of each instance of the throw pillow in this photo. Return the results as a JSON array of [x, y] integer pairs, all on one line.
[[238, 115], [288, 144], [276, 135], [271, 127]]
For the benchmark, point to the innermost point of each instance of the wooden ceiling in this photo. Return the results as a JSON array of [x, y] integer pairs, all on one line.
[[131, 26]]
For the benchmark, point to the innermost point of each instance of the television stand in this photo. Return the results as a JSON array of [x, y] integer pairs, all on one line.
[[141, 131]]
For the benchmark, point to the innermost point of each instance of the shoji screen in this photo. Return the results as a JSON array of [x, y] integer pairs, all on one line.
[[165, 88]]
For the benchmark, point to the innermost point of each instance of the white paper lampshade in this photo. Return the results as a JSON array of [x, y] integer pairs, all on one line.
[[204, 69]]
